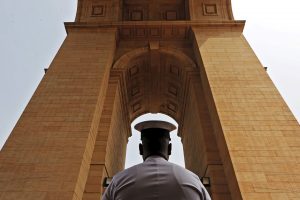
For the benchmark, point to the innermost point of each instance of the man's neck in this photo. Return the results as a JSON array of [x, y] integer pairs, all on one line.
[[157, 155]]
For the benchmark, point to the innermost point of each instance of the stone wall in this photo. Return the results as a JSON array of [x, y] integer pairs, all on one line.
[[257, 134], [47, 156]]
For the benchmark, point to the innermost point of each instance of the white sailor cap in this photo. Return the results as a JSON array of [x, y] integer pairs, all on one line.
[[155, 127]]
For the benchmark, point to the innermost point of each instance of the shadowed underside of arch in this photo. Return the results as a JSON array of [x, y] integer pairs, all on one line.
[[155, 80]]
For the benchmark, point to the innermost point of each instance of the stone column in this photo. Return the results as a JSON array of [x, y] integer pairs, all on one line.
[[199, 142], [111, 141], [257, 135], [49, 152]]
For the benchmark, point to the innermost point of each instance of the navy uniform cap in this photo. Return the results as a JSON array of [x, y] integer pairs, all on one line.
[[155, 128]]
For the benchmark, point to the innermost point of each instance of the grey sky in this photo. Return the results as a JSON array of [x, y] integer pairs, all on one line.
[[32, 31]]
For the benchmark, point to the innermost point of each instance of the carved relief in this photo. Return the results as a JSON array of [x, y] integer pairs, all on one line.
[[174, 70], [155, 85], [172, 106], [133, 70], [154, 32], [136, 15], [135, 12], [136, 106], [154, 10], [142, 10], [171, 15], [210, 9], [126, 32], [141, 32], [173, 90], [175, 32], [173, 11], [135, 91], [98, 10]]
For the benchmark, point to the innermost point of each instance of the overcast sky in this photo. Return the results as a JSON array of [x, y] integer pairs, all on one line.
[[31, 32]]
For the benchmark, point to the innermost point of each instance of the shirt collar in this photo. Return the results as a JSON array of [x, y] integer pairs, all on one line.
[[155, 157]]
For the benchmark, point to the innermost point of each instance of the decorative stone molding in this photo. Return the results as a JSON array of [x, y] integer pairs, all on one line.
[[98, 10], [210, 9]]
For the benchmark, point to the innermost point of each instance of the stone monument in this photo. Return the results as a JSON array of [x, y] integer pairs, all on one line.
[[123, 58]]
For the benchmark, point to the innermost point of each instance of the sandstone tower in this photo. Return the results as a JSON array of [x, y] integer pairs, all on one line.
[[124, 58]]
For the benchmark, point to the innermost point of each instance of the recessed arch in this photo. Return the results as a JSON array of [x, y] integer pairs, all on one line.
[[155, 80], [127, 57]]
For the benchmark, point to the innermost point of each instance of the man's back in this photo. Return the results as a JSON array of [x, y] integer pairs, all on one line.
[[157, 179]]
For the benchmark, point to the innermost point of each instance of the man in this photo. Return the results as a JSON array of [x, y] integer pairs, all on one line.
[[155, 178]]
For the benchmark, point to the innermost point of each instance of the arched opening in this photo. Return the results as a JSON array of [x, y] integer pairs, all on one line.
[[163, 80], [155, 81], [132, 153]]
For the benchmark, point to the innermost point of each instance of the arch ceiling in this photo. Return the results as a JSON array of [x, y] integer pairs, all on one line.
[[155, 82]]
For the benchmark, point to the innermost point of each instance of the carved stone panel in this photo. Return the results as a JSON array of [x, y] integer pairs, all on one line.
[[155, 83], [135, 12], [207, 10], [154, 10], [98, 10], [142, 10], [210, 9], [154, 32]]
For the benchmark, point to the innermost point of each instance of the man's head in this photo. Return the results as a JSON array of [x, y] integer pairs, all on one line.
[[155, 136]]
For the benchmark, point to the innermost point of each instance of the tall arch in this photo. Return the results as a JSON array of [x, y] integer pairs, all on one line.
[[155, 80], [162, 81], [74, 131], [121, 62]]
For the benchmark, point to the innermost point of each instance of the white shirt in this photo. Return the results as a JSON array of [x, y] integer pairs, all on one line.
[[156, 179]]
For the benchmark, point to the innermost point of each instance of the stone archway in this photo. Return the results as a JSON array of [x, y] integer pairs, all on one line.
[[161, 80], [231, 117], [155, 80]]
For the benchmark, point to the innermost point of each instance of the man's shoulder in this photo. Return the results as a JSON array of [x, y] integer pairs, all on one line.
[[183, 171], [131, 171]]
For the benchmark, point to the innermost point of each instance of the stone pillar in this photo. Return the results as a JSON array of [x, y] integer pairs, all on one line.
[[199, 143], [49, 152], [257, 135], [111, 141]]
